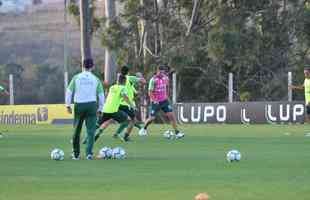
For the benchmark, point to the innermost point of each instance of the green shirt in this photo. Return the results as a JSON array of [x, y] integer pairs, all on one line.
[[131, 81], [113, 101], [307, 90], [2, 88]]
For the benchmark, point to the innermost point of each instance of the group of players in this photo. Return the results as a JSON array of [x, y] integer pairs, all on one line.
[[119, 105]]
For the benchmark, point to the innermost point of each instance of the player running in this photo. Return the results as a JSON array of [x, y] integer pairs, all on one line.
[[158, 93], [306, 88], [131, 83], [111, 110]]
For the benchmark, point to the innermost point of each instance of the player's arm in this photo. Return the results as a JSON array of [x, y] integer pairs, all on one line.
[[101, 97], [69, 93], [136, 79], [296, 87], [126, 98], [150, 90]]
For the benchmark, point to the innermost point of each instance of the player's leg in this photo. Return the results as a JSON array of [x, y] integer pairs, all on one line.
[[123, 126], [79, 117], [122, 118], [168, 110], [308, 114], [154, 108], [102, 127], [90, 121]]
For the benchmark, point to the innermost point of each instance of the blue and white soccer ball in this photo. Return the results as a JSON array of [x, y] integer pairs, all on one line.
[[233, 155], [105, 153], [169, 135], [118, 153], [57, 154]]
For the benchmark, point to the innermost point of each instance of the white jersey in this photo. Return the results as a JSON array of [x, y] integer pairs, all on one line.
[[85, 86]]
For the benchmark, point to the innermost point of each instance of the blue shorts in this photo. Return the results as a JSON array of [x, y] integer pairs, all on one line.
[[163, 105]]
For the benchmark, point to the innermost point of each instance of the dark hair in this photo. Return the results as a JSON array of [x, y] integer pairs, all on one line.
[[88, 63], [121, 79], [124, 70]]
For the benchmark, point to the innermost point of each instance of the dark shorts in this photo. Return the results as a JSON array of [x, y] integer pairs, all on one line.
[[163, 105], [119, 116], [130, 112], [308, 109]]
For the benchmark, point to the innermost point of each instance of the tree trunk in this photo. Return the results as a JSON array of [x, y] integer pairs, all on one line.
[[86, 28], [157, 35], [110, 66]]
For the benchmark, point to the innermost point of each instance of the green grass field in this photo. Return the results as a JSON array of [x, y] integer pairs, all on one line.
[[275, 165]]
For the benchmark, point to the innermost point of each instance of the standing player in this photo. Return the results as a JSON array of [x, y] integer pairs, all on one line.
[[306, 88], [158, 93], [86, 87], [131, 82], [117, 94]]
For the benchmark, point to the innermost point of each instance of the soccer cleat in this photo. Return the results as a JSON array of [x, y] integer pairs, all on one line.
[[89, 157], [179, 135], [142, 132], [73, 157]]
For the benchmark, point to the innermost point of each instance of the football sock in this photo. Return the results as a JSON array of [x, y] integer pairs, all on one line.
[[121, 128]]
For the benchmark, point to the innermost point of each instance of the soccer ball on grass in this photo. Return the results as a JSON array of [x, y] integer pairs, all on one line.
[[233, 155], [105, 153], [57, 154]]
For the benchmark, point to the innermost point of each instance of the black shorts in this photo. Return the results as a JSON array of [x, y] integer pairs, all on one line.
[[119, 116], [163, 105], [130, 112]]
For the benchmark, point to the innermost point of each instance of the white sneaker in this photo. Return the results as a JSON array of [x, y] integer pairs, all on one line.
[[89, 157], [74, 158], [142, 132], [179, 135]]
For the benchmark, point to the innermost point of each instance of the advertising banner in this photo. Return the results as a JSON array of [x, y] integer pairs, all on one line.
[[34, 114], [241, 112]]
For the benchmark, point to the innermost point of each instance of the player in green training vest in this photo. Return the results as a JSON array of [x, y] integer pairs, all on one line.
[[131, 82], [306, 88], [87, 88], [117, 94]]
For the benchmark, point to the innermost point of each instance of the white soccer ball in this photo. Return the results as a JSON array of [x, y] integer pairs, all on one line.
[[169, 135], [105, 153], [118, 153], [233, 155], [142, 132], [57, 154]]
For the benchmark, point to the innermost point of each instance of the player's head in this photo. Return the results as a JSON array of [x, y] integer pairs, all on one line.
[[307, 72], [88, 64], [121, 79], [161, 70], [125, 70], [139, 75]]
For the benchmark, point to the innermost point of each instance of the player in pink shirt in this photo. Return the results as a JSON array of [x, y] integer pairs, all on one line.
[[158, 93]]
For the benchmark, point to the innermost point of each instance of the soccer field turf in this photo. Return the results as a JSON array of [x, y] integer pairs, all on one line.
[[275, 165]]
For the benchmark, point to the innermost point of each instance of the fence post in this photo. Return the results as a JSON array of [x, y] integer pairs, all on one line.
[[289, 82], [11, 89], [230, 88], [65, 82], [174, 88]]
